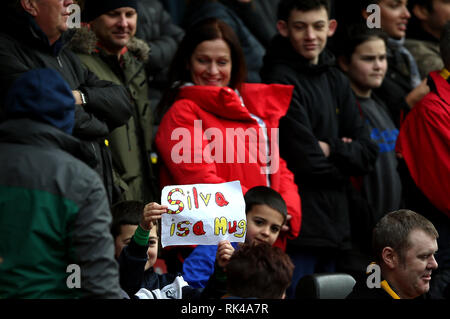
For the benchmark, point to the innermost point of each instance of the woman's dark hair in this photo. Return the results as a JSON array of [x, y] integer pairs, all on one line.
[[205, 30]]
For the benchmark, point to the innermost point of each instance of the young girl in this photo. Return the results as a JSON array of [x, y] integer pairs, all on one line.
[[403, 87], [364, 61]]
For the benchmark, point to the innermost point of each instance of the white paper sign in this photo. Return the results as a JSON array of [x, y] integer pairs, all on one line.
[[203, 214]]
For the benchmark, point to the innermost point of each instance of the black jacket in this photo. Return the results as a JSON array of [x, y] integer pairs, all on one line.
[[322, 108], [23, 46]]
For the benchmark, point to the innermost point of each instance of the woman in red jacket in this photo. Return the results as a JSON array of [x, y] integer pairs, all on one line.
[[216, 128]]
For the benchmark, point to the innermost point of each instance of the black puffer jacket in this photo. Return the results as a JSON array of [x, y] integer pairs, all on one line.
[[322, 108], [23, 46], [156, 28]]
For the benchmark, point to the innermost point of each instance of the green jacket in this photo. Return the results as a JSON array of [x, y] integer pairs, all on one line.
[[54, 213], [131, 144]]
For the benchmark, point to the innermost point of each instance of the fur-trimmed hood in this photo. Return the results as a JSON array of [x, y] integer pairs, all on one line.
[[85, 41]]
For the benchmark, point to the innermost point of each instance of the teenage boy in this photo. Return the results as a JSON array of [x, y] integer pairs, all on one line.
[[322, 137]]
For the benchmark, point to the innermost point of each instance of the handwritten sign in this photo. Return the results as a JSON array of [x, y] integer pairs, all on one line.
[[203, 214]]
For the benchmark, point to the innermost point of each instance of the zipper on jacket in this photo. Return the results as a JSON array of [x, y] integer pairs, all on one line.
[[145, 109], [59, 61]]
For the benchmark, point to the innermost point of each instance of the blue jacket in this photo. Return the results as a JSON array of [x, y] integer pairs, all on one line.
[[199, 266]]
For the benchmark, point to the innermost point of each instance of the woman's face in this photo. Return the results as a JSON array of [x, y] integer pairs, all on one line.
[[210, 63], [394, 17]]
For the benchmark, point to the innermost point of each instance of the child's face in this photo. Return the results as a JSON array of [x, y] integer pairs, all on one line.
[[263, 224], [308, 32], [123, 239], [367, 66], [152, 251], [394, 17]]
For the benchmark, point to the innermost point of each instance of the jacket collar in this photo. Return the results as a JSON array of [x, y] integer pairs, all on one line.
[[85, 41], [281, 51], [22, 26], [442, 86], [269, 102]]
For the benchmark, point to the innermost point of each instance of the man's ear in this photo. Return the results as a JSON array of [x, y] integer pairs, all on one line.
[[282, 28], [332, 26], [389, 257], [421, 12], [29, 6]]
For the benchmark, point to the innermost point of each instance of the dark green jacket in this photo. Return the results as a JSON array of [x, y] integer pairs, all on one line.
[[130, 144], [53, 213]]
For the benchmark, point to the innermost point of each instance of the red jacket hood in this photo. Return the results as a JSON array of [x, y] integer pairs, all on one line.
[[269, 102]]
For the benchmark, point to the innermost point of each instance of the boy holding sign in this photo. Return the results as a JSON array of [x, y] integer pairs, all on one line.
[[135, 235]]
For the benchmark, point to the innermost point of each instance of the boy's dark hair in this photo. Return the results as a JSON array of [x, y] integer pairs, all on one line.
[[354, 35], [285, 7], [127, 212], [259, 271], [262, 195]]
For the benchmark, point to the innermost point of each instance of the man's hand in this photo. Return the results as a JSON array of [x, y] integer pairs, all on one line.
[[224, 253], [417, 93], [325, 148], [77, 97], [152, 212]]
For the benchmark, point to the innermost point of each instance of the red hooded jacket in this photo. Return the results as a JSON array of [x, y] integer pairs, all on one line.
[[206, 133], [424, 142]]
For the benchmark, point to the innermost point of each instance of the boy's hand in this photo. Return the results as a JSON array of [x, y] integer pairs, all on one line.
[[152, 212], [224, 252]]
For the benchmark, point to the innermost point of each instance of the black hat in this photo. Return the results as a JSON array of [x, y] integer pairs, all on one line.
[[95, 8]]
